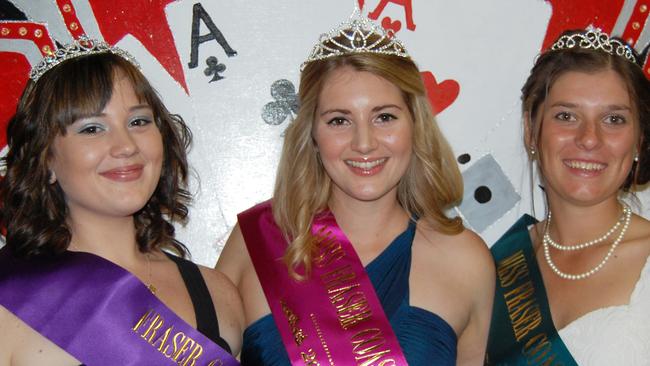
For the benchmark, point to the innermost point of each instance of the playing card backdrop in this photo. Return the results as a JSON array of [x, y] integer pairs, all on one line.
[[231, 69]]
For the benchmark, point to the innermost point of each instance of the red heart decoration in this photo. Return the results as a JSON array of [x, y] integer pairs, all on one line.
[[14, 70], [441, 95], [389, 24]]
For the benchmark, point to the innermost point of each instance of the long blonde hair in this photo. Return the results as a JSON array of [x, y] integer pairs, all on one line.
[[431, 183]]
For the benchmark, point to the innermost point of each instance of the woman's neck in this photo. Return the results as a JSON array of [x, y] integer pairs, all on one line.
[[368, 223], [572, 224], [112, 238]]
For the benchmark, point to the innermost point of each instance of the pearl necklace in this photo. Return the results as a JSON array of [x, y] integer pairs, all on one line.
[[556, 245], [546, 241]]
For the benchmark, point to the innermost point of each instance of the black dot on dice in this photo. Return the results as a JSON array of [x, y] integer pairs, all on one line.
[[482, 194], [464, 158]]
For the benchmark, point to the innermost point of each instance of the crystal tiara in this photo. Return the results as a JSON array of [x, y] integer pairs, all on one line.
[[357, 35], [597, 40], [80, 47]]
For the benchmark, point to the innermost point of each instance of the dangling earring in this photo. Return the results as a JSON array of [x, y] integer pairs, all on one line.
[[52, 178]]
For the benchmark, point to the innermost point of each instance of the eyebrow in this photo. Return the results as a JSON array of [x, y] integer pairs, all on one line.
[[610, 107], [132, 109], [375, 109]]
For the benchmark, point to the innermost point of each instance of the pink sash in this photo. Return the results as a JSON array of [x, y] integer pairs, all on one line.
[[332, 318]]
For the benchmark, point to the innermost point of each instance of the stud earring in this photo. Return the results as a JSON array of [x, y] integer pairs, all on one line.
[[532, 152], [636, 158], [52, 178]]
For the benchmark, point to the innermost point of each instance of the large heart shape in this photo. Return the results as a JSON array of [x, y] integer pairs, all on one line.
[[389, 24], [14, 70], [441, 95]]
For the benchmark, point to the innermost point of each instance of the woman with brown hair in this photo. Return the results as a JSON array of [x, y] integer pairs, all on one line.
[[354, 260], [573, 289], [95, 175]]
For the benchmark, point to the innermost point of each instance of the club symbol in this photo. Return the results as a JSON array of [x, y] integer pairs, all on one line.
[[214, 68], [285, 104]]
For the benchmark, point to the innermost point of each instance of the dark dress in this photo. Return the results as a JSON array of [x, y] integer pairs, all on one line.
[[425, 338], [206, 316]]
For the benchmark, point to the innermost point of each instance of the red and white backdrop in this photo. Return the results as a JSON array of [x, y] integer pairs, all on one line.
[[230, 68]]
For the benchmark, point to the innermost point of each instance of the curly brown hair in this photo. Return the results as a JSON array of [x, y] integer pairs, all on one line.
[[552, 64], [33, 211]]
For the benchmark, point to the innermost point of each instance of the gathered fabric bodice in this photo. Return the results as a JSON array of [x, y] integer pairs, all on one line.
[[615, 335], [425, 338]]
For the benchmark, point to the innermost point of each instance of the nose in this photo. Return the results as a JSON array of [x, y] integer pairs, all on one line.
[[123, 143], [364, 140], [589, 135]]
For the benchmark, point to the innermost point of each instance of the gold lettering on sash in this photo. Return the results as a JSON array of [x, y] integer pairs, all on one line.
[[184, 347], [523, 310], [163, 340], [537, 348], [338, 277], [353, 311], [524, 313], [155, 324], [367, 348], [330, 249], [309, 358], [190, 360], [526, 321], [512, 268], [181, 344], [142, 320], [298, 334]]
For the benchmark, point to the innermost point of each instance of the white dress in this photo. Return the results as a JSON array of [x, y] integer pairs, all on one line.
[[616, 335]]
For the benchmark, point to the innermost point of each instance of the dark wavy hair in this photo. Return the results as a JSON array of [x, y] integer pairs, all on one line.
[[552, 64], [33, 211]]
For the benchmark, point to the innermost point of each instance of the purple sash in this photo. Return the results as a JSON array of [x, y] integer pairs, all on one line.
[[100, 313], [332, 318]]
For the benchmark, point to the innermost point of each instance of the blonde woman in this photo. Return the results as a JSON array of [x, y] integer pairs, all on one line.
[[353, 260]]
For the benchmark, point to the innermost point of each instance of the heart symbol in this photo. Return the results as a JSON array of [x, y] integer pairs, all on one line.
[[389, 24], [441, 95], [14, 69]]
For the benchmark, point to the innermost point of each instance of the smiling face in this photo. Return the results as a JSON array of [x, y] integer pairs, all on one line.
[[588, 138], [364, 133], [109, 164]]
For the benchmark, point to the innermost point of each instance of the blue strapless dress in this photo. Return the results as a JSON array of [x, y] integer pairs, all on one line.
[[425, 338]]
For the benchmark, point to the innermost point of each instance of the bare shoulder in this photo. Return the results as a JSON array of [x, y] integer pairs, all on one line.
[[10, 331], [22, 345], [234, 259], [219, 283], [228, 305], [640, 229], [466, 252], [224, 293]]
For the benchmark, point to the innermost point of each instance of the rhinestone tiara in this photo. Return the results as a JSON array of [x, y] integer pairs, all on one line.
[[597, 40], [80, 47], [357, 35]]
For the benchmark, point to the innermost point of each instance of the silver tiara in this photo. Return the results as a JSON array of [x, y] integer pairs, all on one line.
[[80, 47], [357, 35], [595, 39]]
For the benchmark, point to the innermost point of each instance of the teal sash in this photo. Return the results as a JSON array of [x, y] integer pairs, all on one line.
[[522, 330]]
